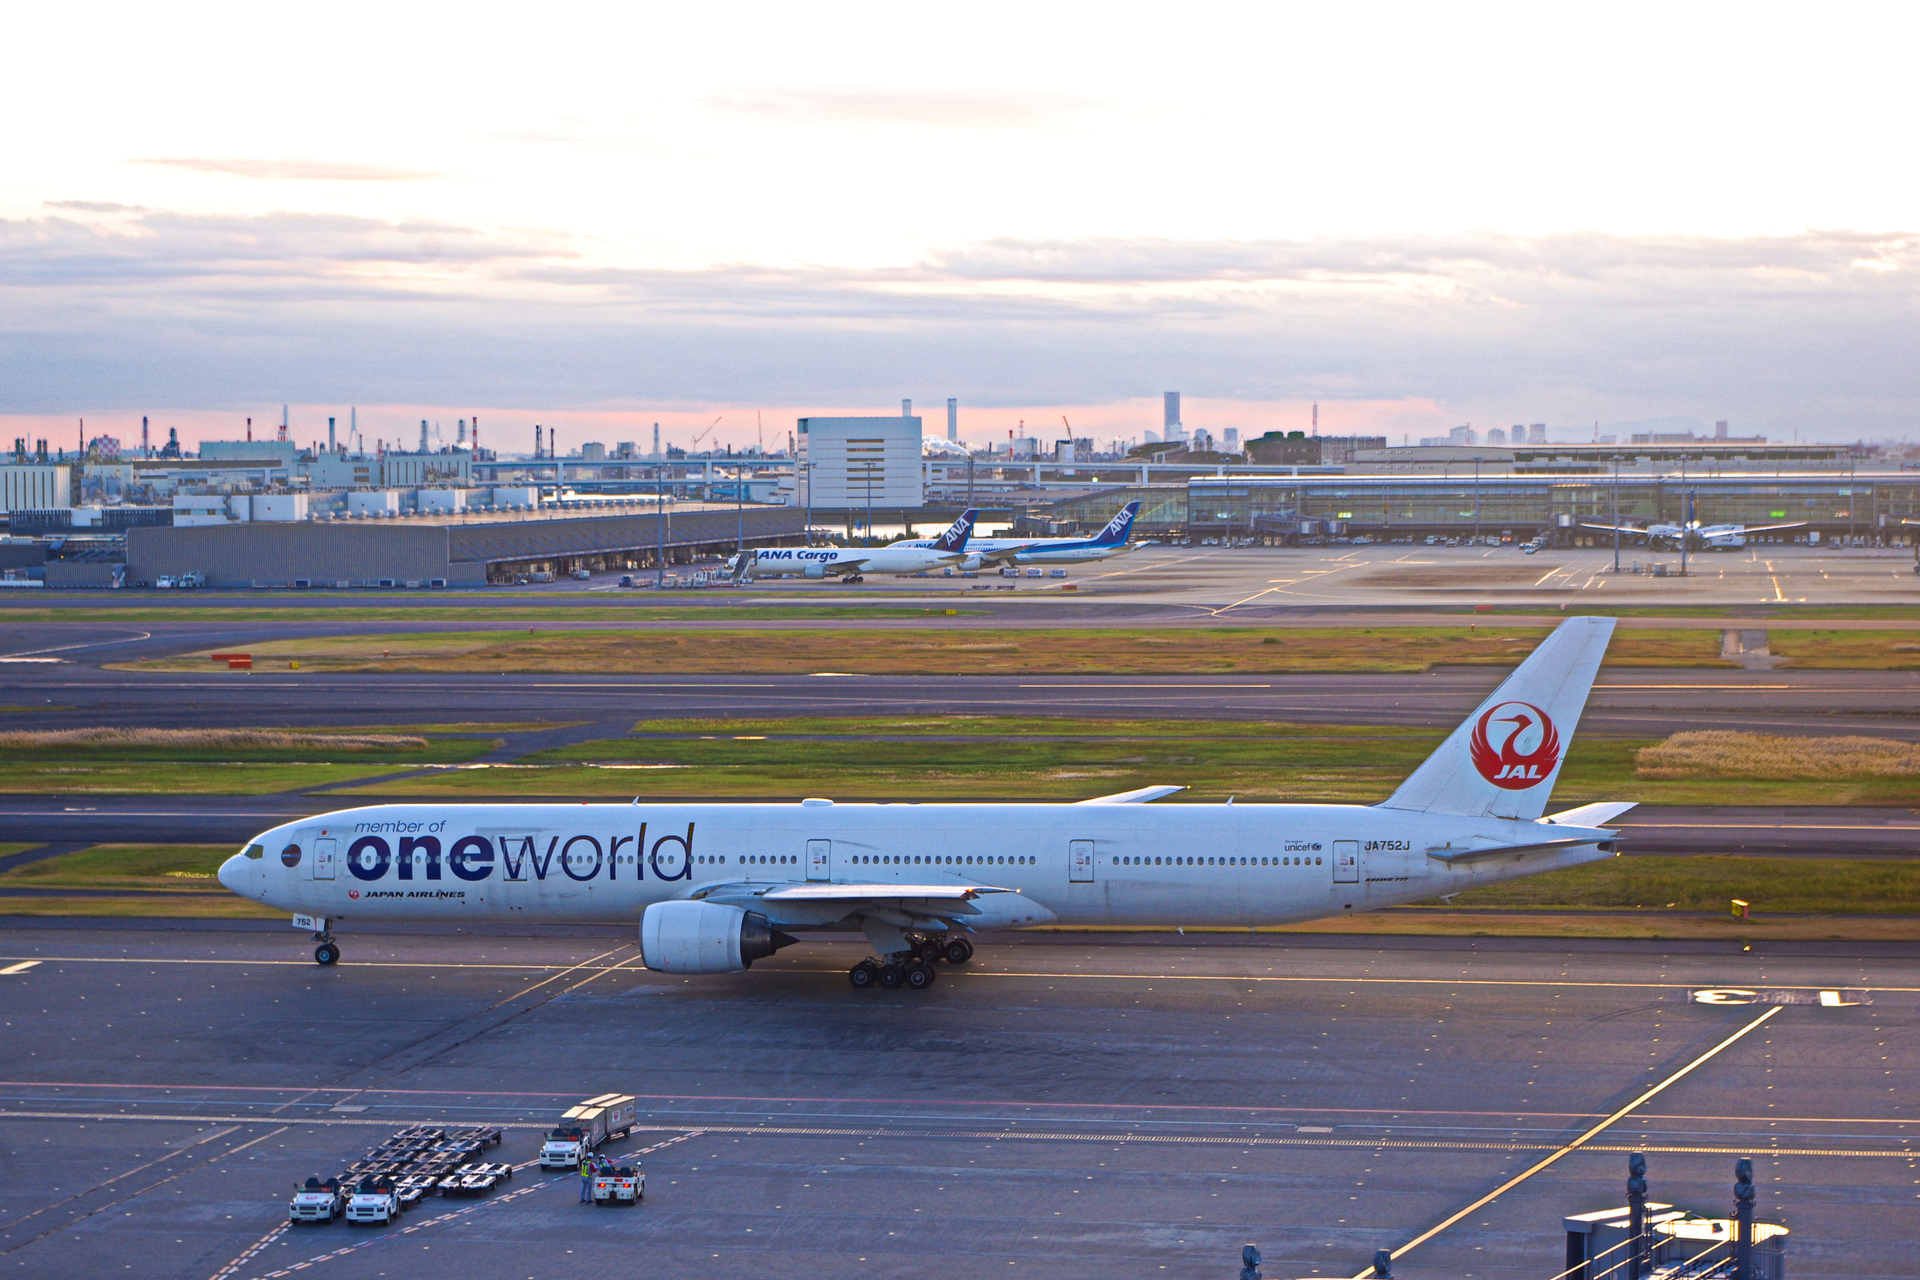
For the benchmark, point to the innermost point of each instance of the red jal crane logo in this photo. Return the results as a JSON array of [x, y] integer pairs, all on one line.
[[1528, 745]]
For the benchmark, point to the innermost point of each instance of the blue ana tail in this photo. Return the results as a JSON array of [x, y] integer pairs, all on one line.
[[955, 538], [1119, 527]]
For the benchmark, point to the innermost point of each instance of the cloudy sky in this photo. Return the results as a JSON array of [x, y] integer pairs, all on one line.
[[599, 217]]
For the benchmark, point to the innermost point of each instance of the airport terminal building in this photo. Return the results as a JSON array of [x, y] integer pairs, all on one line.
[[1832, 504]]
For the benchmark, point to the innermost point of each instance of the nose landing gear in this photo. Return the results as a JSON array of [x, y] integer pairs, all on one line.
[[912, 968], [328, 952]]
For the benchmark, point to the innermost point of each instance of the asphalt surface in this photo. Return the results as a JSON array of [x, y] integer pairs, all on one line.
[[1060, 1107], [1639, 702]]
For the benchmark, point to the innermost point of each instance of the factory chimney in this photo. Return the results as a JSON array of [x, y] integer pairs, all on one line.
[[330, 436], [423, 435], [953, 418], [1316, 417], [283, 424], [656, 442], [461, 438], [146, 450], [538, 434], [249, 430], [476, 437]]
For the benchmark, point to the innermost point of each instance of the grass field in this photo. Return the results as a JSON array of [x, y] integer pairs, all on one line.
[[572, 607], [160, 880], [1851, 650], [1819, 885], [215, 764], [935, 651], [1024, 758]]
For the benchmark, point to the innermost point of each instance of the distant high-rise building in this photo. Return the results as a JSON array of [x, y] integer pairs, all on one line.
[[1230, 440], [906, 408], [1496, 436], [1171, 417], [1537, 433], [953, 418], [1465, 436], [1720, 430]]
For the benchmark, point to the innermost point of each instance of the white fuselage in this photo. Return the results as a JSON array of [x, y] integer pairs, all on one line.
[[1092, 864], [1029, 551], [834, 561]]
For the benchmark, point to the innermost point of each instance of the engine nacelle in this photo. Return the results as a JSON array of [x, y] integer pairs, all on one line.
[[814, 569], [705, 937], [972, 563]]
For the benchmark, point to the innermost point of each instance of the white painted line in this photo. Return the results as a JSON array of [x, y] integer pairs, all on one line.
[[1578, 1142]]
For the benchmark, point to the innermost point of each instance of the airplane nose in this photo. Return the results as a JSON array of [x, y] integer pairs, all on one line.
[[233, 873]]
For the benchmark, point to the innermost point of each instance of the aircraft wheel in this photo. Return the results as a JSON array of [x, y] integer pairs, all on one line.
[[930, 951], [959, 951], [890, 976], [863, 975], [326, 953], [920, 976]]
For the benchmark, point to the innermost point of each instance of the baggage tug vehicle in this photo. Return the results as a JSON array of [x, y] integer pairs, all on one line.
[[714, 887]]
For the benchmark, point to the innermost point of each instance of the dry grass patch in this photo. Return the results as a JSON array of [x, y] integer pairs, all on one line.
[[1715, 753], [208, 739]]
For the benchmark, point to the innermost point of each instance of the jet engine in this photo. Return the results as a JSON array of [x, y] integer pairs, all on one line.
[[972, 563], [706, 937], [814, 569]]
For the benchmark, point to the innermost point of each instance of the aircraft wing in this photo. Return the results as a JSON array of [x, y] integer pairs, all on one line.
[[877, 892], [1141, 796], [1763, 528], [1612, 528]]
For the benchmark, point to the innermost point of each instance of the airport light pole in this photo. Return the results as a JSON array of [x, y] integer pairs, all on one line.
[[1476, 499], [660, 493], [1616, 513]]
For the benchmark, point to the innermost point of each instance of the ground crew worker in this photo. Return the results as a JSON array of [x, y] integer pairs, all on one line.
[[586, 1178]]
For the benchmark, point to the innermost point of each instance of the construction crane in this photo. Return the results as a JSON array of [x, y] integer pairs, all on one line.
[[703, 435]]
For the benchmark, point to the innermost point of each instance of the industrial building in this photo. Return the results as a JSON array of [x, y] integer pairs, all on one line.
[[848, 463]]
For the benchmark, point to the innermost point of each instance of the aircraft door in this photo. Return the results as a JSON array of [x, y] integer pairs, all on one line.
[[1080, 860], [324, 850], [819, 859], [1346, 862]]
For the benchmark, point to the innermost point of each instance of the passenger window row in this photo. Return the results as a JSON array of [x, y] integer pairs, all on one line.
[[925, 860], [1215, 862]]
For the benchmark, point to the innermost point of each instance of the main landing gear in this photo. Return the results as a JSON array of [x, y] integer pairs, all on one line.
[[852, 577], [913, 967]]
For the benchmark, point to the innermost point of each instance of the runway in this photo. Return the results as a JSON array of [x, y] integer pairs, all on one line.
[[1058, 1107], [1636, 702]]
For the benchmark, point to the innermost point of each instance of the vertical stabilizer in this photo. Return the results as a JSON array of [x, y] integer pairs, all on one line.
[[1503, 760]]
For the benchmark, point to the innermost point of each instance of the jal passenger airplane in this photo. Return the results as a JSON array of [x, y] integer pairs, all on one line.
[[714, 887]]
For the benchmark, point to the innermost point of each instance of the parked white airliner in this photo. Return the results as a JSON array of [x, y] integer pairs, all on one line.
[[1109, 542], [1705, 537], [851, 563], [713, 887]]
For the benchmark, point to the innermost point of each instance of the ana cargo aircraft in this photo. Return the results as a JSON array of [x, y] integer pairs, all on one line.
[[714, 887], [850, 563], [1109, 542]]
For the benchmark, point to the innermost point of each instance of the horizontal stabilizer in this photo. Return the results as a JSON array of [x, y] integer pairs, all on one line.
[[1141, 796], [1591, 815], [1478, 850]]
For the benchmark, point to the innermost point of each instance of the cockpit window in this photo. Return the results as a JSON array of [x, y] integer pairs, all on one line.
[[256, 851]]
